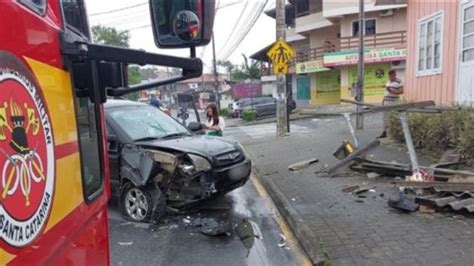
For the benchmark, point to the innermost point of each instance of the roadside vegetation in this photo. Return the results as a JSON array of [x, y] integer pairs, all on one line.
[[249, 115], [436, 133]]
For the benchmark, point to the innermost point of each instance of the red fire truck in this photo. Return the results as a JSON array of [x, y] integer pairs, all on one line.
[[54, 171]]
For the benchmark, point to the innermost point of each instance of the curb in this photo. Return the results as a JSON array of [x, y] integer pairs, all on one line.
[[308, 240]]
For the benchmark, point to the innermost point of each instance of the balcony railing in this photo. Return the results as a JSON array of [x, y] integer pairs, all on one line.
[[314, 53], [379, 40]]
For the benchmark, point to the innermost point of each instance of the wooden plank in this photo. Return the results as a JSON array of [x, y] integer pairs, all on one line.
[[346, 161]]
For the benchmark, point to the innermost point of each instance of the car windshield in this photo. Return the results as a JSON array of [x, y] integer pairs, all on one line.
[[146, 123]]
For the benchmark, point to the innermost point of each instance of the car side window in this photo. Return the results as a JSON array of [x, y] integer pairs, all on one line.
[[89, 143], [38, 6]]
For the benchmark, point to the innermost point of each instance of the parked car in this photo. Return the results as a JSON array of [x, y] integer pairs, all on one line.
[[156, 162], [264, 106], [235, 107]]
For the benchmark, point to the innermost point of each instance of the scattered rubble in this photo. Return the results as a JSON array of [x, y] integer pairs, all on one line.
[[403, 203], [303, 164], [125, 243], [350, 189]]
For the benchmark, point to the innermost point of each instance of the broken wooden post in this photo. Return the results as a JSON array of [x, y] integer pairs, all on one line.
[[333, 170]]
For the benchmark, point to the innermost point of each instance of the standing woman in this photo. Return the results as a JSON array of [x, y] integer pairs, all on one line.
[[214, 124]]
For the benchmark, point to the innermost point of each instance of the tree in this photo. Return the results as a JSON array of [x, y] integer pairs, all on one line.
[[229, 67], [247, 70], [111, 36]]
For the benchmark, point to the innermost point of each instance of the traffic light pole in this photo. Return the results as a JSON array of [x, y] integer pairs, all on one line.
[[282, 115]]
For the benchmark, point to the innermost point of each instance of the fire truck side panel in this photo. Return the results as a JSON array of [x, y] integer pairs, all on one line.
[[72, 231]]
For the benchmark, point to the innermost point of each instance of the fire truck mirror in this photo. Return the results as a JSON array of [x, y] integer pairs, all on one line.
[[181, 24]]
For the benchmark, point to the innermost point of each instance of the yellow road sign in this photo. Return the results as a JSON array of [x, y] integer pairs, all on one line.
[[281, 52], [280, 69]]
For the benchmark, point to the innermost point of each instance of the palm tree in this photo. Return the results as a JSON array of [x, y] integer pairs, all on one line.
[[247, 70]]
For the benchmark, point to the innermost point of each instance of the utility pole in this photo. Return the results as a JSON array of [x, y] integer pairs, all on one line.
[[361, 71], [282, 119], [216, 80]]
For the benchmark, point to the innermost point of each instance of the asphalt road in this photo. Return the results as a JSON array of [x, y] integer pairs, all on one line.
[[178, 241]]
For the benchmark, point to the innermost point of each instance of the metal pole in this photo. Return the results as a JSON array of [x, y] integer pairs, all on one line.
[[288, 111], [216, 81], [347, 116], [361, 72], [409, 141], [282, 124]]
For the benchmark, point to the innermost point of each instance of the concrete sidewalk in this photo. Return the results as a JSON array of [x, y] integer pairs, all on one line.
[[238, 122], [344, 229]]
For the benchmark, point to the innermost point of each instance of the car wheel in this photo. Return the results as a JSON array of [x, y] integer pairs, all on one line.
[[140, 204]]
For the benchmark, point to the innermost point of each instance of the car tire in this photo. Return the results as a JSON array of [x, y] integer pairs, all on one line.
[[142, 204]]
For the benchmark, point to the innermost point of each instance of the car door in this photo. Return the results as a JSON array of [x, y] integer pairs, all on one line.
[[271, 106], [259, 106], [267, 105]]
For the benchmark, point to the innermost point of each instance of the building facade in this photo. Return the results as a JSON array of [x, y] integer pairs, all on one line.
[[440, 60], [325, 36]]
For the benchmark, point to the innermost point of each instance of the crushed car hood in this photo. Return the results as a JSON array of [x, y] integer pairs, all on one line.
[[198, 144]]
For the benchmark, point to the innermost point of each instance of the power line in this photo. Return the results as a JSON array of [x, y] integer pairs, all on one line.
[[118, 9], [120, 16], [137, 28], [235, 26], [248, 20], [246, 31]]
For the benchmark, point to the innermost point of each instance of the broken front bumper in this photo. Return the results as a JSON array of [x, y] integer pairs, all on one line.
[[232, 177]]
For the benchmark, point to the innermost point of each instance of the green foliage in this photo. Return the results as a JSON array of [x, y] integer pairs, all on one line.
[[247, 70], [249, 115], [134, 76], [224, 112], [229, 67], [110, 36], [439, 132]]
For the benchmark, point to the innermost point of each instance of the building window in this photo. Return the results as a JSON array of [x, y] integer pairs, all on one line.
[[468, 35], [370, 27], [302, 8], [430, 44]]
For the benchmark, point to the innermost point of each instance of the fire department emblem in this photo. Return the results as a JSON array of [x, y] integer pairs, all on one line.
[[27, 159]]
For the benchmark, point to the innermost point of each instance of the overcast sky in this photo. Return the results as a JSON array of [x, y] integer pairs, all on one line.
[[137, 21]]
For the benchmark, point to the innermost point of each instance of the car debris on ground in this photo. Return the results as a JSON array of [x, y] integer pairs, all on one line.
[[303, 164], [438, 187]]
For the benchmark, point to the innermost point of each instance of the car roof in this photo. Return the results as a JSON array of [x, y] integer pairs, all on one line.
[[111, 103]]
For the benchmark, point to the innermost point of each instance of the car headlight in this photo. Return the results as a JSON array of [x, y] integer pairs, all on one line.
[[196, 165]]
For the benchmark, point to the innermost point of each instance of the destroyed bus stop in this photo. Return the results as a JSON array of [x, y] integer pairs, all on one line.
[[433, 184]]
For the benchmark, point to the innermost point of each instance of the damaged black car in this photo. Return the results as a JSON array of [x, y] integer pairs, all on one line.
[[156, 163]]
